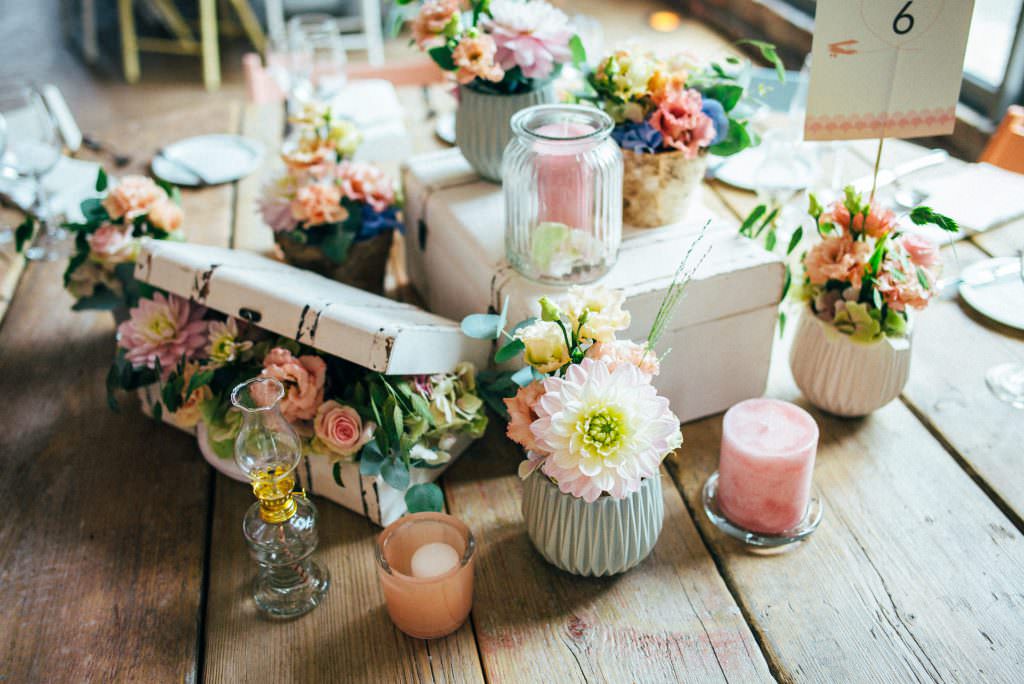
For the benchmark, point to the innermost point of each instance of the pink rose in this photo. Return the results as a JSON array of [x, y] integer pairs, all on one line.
[[618, 352], [682, 124], [922, 251], [880, 221], [434, 16], [166, 215], [133, 196], [303, 379], [318, 204], [474, 57], [112, 244], [837, 258], [341, 430], [366, 183], [521, 414]]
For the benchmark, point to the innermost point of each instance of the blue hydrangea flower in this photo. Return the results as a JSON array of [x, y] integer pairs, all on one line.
[[638, 137], [716, 112]]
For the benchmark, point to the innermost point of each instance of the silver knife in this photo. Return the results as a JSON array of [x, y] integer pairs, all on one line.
[[889, 176]]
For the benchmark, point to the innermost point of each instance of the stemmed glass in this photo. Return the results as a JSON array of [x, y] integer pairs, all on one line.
[[317, 53], [32, 150], [1006, 380]]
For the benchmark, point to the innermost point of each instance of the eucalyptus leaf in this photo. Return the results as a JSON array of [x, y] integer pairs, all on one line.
[[509, 351], [482, 326], [524, 376], [395, 473], [426, 497]]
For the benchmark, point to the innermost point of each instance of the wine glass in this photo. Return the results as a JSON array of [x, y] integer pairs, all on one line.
[[1006, 380], [32, 150], [318, 54]]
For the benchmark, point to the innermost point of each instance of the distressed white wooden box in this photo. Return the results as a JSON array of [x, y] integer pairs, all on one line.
[[720, 339], [375, 332]]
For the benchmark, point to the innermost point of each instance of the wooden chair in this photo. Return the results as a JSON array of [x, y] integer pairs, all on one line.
[[1005, 148]]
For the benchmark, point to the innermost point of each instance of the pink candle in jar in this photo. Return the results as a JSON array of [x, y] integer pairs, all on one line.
[[766, 463], [565, 192]]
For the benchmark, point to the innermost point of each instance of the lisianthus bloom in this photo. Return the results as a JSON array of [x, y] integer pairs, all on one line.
[[595, 312], [166, 215], [340, 431], [521, 415], [224, 346], [921, 251], [626, 74], [880, 222], [619, 352], [474, 57], [683, 124], [545, 346], [364, 182], [188, 414], [317, 204], [112, 244], [433, 19], [533, 36], [303, 379], [604, 430], [901, 289], [162, 329], [132, 197], [837, 257], [83, 281]]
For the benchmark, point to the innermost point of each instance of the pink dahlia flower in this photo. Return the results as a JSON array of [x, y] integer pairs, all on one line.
[[604, 430], [364, 182], [533, 36], [682, 123], [165, 329]]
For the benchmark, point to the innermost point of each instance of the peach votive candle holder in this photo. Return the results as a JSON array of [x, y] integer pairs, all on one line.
[[762, 490], [430, 605]]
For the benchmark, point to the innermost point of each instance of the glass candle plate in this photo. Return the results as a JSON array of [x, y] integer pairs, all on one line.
[[765, 540]]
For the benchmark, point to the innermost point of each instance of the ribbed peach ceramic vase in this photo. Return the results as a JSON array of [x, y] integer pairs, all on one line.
[[606, 537], [844, 377]]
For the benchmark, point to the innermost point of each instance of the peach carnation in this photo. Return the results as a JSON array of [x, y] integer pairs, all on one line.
[[837, 258], [366, 183], [880, 222], [133, 196], [303, 379], [166, 215], [318, 204], [474, 56], [434, 16], [521, 414], [112, 244]]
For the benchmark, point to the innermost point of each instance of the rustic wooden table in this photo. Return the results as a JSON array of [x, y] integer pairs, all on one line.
[[122, 559]]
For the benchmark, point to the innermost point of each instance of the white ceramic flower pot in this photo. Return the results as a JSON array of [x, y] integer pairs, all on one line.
[[606, 537], [844, 377], [482, 129]]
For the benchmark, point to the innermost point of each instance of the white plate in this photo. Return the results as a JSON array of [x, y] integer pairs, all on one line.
[[993, 288], [743, 170], [217, 158]]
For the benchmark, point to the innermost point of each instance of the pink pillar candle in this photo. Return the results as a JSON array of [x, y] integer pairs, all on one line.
[[565, 190], [766, 462], [427, 596]]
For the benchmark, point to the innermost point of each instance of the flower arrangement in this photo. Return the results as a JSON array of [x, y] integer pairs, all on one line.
[[100, 272], [322, 200], [864, 275], [342, 412], [673, 104], [499, 46]]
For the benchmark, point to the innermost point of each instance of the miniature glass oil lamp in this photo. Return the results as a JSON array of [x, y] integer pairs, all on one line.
[[280, 527]]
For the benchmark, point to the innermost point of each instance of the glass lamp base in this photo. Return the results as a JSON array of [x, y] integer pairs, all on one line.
[[291, 599], [1006, 381], [762, 540]]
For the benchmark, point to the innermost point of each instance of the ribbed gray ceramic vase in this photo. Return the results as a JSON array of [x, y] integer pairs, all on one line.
[[596, 539], [482, 125]]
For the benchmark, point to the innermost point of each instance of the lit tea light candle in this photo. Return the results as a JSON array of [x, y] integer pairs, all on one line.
[[433, 559], [766, 463], [425, 564]]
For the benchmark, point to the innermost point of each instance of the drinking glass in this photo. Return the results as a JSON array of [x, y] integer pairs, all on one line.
[[1006, 380], [33, 148], [317, 49]]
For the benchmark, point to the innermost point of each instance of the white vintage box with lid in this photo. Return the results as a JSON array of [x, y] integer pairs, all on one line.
[[721, 336], [377, 333]]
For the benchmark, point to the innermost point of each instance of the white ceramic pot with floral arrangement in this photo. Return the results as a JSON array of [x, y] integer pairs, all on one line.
[[505, 55], [330, 215], [593, 426], [670, 113], [861, 280]]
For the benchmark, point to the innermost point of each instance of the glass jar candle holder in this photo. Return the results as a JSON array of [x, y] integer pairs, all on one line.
[[425, 563], [562, 178]]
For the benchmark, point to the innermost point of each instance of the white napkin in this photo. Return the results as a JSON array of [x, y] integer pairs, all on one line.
[[978, 197], [68, 183]]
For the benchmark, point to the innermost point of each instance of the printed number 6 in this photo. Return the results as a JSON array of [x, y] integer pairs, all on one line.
[[903, 23]]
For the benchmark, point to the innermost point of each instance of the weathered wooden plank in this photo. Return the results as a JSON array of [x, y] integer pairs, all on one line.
[[913, 574], [348, 638], [264, 123], [670, 619], [101, 553]]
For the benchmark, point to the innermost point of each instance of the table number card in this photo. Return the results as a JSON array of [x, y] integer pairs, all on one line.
[[886, 68]]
